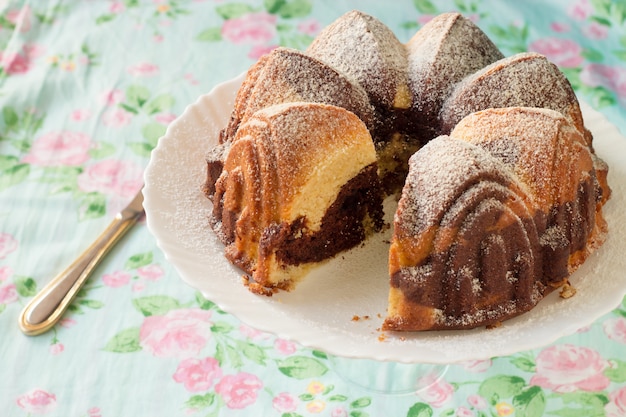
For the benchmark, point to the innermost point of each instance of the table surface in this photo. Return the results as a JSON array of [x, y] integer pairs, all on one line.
[[86, 90]]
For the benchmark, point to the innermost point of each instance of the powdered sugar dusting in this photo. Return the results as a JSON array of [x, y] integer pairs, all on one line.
[[291, 76], [441, 54], [506, 83], [367, 51], [321, 319], [430, 190]]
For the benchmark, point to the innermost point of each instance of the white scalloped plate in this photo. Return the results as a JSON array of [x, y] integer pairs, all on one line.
[[319, 312]]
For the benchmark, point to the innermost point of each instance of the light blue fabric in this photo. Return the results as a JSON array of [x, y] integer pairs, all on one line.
[[86, 90]]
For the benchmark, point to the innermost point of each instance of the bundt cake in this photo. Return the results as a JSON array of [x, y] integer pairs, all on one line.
[[299, 185], [500, 191], [485, 241]]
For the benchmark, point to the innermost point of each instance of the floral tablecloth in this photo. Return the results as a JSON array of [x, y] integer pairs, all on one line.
[[86, 90]]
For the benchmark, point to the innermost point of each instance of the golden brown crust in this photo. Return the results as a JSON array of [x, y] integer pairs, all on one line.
[[488, 241], [517, 179], [279, 157]]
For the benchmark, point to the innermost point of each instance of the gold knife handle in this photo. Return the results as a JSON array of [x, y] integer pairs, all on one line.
[[48, 306]]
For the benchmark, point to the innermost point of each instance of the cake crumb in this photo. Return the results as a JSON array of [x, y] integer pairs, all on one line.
[[567, 291], [356, 318], [382, 337]]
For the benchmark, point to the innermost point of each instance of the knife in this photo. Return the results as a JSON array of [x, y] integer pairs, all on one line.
[[49, 305]]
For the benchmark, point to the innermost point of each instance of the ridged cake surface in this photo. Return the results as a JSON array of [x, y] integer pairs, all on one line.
[[500, 191], [485, 241], [292, 171]]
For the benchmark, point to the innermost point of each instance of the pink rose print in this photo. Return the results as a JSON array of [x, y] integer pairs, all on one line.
[[559, 27], [59, 148], [309, 27], [117, 7], [436, 392], [79, 115], [56, 348], [339, 412], [165, 118], [581, 10], [251, 332], [616, 406], [67, 323], [5, 272], [113, 97], [94, 412], [179, 333], [477, 365], [14, 63], [596, 31], [567, 368], [143, 69], [425, 18], [37, 401], [198, 374], [563, 52], [286, 347], [116, 279], [254, 28], [116, 118], [477, 402], [151, 272], [113, 177], [8, 294], [21, 18], [285, 402], [464, 412], [615, 329], [258, 51], [239, 391], [32, 50], [8, 244], [613, 78]]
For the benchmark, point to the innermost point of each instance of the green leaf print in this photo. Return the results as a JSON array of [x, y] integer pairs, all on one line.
[[234, 10], [102, 150], [420, 410], [92, 206], [198, 402], [222, 327], [138, 260], [141, 148], [361, 402], [617, 371], [526, 364], [125, 341], [501, 386], [152, 132], [292, 9], [425, 6], [302, 367], [25, 286], [14, 174], [253, 352], [213, 34], [155, 305], [93, 304], [530, 403], [11, 119], [137, 96], [160, 103]]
